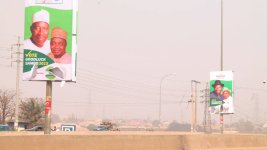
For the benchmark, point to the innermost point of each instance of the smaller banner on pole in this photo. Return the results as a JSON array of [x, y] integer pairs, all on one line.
[[221, 92]]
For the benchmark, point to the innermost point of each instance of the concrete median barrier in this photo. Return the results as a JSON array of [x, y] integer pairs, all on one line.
[[132, 141]]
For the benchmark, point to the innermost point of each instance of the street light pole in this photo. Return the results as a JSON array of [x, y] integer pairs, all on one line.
[[221, 35], [160, 89], [221, 114]]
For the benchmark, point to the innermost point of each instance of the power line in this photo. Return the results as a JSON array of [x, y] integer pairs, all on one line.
[[122, 86], [114, 79], [118, 88]]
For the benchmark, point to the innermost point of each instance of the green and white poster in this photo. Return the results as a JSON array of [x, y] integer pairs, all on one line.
[[221, 92], [50, 40]]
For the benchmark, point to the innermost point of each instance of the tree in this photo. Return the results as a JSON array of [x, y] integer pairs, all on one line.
[[7, 105], [32, 110], [175, 126]]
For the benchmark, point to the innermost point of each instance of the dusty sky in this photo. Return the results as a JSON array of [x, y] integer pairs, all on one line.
[[125, 47]]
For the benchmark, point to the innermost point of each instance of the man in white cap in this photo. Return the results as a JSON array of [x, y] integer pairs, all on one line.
[[40, 31], [228, 101], [58, 46]]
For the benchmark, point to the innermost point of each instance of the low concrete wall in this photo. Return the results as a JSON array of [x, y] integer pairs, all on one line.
[[146, 141], [246, 142]]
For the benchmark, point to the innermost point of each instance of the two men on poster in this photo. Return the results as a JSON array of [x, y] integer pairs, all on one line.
[[47, 47], [221, 95], [56, 48]]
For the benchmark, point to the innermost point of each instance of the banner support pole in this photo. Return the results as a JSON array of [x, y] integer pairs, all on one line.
[[221, 114], [48, 104]]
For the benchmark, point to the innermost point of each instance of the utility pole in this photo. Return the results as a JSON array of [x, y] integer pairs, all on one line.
[[207, 117], [194, 105], [18, 61]]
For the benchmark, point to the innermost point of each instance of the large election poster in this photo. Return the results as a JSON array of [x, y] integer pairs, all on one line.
[[50, 40], [221, 92]]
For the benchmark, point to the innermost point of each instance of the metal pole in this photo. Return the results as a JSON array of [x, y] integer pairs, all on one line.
[[17, 86], [221, 35], [221, 115], [48, 104]]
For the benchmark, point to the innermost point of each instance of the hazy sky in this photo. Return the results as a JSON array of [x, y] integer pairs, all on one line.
[[125, 47]]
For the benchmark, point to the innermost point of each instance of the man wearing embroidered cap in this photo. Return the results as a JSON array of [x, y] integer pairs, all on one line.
[[226, 93], [40, 31], [217, 93], [228, 101], [58, 46]]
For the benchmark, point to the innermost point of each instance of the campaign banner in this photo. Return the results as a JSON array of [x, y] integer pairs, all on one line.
[[50, 40], [221, 92]]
